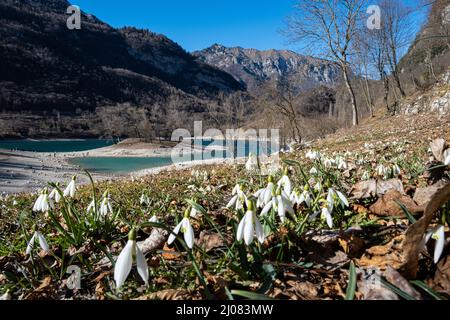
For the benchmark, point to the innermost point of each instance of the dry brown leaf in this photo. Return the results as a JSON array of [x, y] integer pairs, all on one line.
[[387, 205], [372, 188], [383, 256], [437, 148], [170, 253], [423, 195], [364, 189], [303, 289], [395, 278], [441, 281], [44, 291], [168, 294], [392, 184], [209, 240], [414, 234], [102, 275], [100, 291]]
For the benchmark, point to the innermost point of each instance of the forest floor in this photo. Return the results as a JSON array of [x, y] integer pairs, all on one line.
[[374, 194]]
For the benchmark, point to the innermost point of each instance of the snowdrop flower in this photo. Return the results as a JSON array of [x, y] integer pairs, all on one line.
[[313, 155], [238, 199], [186, 229], [318, 186], [264, 195], [298, 198], [366, 175], [252, 163], [153, 219], [42, 242], [342, 165], [14, 202], [279, 203], [131, 253], [438, 234], [145, 200], [326, 214], [70, 190], [193, 212], [395, 170], [328, 162], [334, 195], [91, 207], [285, 182], [43, 203], [105, 206], [313, 171], [249, 226], [55, 195], [381, 170], [447, 160]]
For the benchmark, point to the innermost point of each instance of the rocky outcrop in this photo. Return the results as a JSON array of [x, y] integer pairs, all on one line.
[[256, 69], [436, 100]]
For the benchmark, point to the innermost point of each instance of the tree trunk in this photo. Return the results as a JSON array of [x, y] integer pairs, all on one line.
[[331, 110], [355, 120]]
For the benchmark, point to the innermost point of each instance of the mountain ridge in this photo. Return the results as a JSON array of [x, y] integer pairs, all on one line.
[[258, 68]]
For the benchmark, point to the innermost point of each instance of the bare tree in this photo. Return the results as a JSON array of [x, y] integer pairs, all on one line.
[[363, 59], [397, 30], [330, 26], [284, 104]]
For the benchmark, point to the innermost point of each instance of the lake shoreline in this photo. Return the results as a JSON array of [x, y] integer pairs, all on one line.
[[25, 171]]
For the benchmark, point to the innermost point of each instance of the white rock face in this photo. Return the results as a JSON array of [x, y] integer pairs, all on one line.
[[437, 100]]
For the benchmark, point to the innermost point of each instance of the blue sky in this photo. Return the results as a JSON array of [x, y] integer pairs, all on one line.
[[197, 24]]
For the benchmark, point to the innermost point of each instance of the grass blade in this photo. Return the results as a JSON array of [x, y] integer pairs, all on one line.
[[351, 287], [396, 290], [408, 214], [421, 285]]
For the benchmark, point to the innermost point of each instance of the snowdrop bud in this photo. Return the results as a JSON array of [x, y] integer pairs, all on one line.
[[132, 234]]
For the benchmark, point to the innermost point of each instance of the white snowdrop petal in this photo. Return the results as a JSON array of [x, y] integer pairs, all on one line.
[[30, 244], [175, 231], [343, 198], [188, 233], [42, 242], [124, 263], [232, 202], [248, 228], [259, 231], [267, 208], [440, 243], [240, 230], [141, 265]]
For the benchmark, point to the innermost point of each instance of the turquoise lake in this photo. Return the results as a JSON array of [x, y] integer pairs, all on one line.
[[54, 145], [127, 164], [120, 165]]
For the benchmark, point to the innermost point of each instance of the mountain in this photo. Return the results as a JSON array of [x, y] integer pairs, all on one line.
[[47, 69], [429, 55], [256, 69]]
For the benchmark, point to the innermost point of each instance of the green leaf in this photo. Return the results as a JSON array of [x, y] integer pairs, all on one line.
[[196, 206], [351, 287], [250, 295], [427, 289], [396, 290], [408, 214]]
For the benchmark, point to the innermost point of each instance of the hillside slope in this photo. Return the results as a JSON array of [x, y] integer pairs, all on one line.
[[49, 69]]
